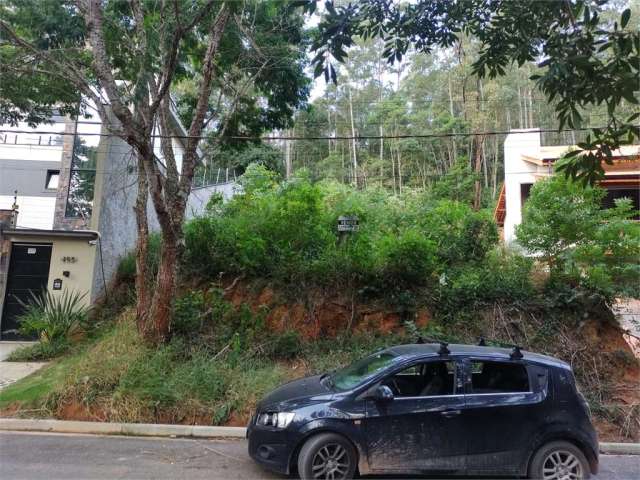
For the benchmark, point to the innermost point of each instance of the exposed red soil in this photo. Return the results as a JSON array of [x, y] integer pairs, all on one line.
[[320, 314]]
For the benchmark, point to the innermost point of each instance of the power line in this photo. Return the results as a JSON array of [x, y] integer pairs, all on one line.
[[285, 138]]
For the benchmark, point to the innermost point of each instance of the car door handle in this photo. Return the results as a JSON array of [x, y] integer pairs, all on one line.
[[450, 413]]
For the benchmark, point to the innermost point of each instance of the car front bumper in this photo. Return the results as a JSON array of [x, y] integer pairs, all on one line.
[[272, 448]]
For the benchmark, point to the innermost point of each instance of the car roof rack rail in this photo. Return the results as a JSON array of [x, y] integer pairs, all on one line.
[[516, 354], [443, 349]]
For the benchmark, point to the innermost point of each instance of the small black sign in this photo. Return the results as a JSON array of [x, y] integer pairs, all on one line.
[[57, 284], [348, 223]]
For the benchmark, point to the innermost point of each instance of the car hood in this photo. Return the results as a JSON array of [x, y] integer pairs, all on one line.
[[296, 393]]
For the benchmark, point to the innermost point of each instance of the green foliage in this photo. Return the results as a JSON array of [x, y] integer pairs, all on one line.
[[126, 271], [187, 311], [286, 345], [456, 183], [214, 203], [54, 317], [266, 30], [580, 46], [407, 259], [503, 276], [584, 245], [238, 156], [41, 351], [288, 232]]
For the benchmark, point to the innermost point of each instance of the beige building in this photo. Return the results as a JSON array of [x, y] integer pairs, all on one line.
[[66, 210], [55, 260]]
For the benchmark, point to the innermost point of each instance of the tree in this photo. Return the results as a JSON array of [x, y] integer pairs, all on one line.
[[591, 247], [583, 59], [129, 56]]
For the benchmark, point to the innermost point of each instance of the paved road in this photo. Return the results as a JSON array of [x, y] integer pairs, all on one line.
[[88, 457]]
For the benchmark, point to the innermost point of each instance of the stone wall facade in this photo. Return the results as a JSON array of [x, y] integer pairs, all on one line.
[[60, 220]]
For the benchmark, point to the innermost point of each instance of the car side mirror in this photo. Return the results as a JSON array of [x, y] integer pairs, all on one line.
[[382, 393]]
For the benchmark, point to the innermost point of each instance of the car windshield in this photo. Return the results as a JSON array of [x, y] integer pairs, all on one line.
[[358, 372]]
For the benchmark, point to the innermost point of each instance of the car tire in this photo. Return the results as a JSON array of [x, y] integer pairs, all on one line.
[[559, 460], [327, 456]]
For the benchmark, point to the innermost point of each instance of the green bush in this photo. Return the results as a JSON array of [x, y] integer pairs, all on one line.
[[407, 259], [126, 271], [54, 317], [188, 313], [40, 351], [287, 233], [583, 245], [286, 345]]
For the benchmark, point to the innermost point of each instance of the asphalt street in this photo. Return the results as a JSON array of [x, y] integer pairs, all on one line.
[[66, 456]]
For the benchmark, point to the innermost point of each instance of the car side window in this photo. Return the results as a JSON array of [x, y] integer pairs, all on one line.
[[498, 377], [425, 379]]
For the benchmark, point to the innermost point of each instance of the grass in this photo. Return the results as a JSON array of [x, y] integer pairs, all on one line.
[[117, 377], [33, 391], [217, 374], [40, 351]]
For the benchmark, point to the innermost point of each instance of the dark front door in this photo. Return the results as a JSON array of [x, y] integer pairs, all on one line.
[[28, 272], [421, 429]]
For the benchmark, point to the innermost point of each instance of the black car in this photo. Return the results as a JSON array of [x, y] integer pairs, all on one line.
[[430, 409]]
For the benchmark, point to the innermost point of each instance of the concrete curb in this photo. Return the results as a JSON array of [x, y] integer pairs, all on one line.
[[134, 429], [620, 448], [193, 431]]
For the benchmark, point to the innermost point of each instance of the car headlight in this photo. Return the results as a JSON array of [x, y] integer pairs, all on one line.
[[275, 419]]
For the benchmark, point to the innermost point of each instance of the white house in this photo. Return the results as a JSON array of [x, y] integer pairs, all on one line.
[[527, 161]]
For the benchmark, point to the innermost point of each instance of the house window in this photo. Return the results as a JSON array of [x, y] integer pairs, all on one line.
[[53, 176], [499, 377], [82, 173]]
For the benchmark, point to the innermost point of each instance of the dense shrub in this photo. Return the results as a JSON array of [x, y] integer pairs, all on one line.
[[407, 259], [593, 250], [287, 232], [126, 270], [40, 351], [54, 318]]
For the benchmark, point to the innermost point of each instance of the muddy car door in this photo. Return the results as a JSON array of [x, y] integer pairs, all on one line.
[[420, 428], [505, 407]]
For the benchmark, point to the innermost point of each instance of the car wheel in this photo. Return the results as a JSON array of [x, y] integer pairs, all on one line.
[[327, 456], [559, 461]]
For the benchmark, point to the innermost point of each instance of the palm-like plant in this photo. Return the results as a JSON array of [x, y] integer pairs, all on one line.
[[54, 317]]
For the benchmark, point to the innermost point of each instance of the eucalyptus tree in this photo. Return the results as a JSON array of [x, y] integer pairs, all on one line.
[[126, 58], [584, 58]]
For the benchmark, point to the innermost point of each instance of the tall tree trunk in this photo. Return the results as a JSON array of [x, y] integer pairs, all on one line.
[[143, 296], [452, 113], [353, 140], [381, 153], [393, 167], [165, 289], [287, 157], [520, 116], [399, 153], [496, 156], [531, 124], [329, 130], [478, 140]]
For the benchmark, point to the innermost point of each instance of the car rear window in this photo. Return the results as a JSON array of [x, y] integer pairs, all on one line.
[[498, 377]]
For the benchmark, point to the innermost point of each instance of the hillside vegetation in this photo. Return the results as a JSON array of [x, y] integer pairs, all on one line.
[[270, 292]]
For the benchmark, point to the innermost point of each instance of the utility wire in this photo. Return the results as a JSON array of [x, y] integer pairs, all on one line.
[[357, 137]]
